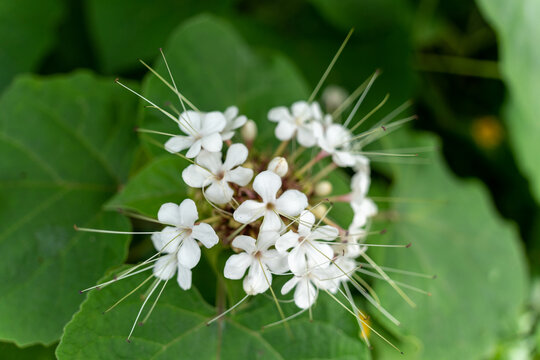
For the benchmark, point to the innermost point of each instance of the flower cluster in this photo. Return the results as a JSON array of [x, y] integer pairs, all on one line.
[[271, 212]]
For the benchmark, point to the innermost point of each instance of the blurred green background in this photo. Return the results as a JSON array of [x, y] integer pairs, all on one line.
[[471, 68]]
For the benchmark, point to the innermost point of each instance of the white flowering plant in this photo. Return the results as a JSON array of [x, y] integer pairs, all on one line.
[[270, 209]]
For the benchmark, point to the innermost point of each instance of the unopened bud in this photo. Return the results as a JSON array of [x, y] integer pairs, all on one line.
[[319, 211], [333, 96], [323, 188], [279, 166], [249, 131]]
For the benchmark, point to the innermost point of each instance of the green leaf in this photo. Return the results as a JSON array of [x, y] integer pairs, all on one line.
[[159, 182], [27, 32], [66, 144], [37, 352], [126, 30], [518, 29], [214, 69], [457, 235], [177, 329]]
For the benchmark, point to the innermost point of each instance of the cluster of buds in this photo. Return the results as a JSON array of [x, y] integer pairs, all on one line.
[[271, 212]]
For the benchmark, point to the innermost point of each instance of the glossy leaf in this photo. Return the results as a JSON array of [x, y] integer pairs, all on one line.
[[66, 144]]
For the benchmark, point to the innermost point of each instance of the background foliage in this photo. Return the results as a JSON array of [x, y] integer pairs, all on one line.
[[69, 155]]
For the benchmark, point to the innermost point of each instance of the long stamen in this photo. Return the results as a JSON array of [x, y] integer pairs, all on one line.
[[410, 287], [102, 231], [155, 302], [376, 304], [373, 111], [285, 320], [361, 99], [403, 272], [128, 294], [227, 311], [363, 321], [329, 68], [141, 309], [389, 280], [356, 93]]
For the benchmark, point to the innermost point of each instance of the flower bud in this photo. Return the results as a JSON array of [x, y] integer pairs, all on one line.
[[323, 188], [333, 96], [279, 166], [249, 131]]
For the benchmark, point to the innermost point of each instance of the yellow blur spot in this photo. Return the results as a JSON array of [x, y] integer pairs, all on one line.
[[364, 331], [487, 132]]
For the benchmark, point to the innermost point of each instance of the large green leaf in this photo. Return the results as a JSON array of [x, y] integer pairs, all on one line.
[[177, 329], [126, 30], [27, 30], [37, 352], [214, 68], [159, 182], [518, 29], [66, 145], [457, 235]]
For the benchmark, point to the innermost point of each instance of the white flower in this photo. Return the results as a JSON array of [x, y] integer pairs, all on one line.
[[351, 243], [307, 252], [258, 259], [279, 166], [267, 185], [298, 123], [363, 208], [335, 140], [209, 171], [178, 241], [202, 130], [307, 285], [360, 183], [233, 122]]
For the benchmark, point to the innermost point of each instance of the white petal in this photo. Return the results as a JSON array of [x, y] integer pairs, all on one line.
[[306, 136], [271, 222], [241, 176], [289, 285], [325, 232], [336, 136], [188, 213], [249, 211], [169, 213], [219, 192], [231, 112], [190, 122], [156, 240], [297, 261], [236, 266], [211, 161], [320, 257], [170, 238], [239, 121], [189, 253], [213, 122], [305, 294], [165, 267], [285, 130], [278, 114], [291, 203], [360, 182], [300, 109], [212, 142], [195, 176], [178, 143], [227, 135], [257, 281], [205, 234], [194, 150], [305, 223], [275, 261], [343, 158], [246, 243], [266, 239], [184, 277], [287, 241], [316, 111], [236, 155], [267, 184]]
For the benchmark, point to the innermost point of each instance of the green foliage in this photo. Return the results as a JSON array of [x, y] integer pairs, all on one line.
[[51, 133], [37, 352], [481, 280], [159, 182], [177, 329], [27, 33], [518, 29], [126, 30]]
